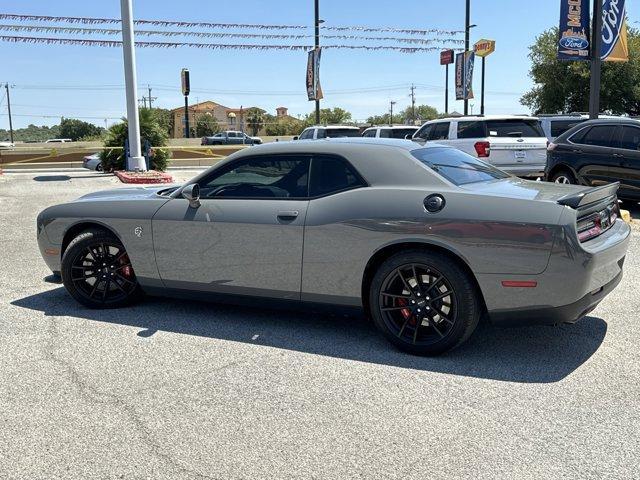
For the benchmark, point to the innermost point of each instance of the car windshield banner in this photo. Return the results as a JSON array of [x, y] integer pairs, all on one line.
[[314, 91], [464, 75], [574, 39], [615, 46]]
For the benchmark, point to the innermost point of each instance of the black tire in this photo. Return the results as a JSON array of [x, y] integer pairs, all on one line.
[[112, 272], [564, 176], [99, 167], [445, 323]]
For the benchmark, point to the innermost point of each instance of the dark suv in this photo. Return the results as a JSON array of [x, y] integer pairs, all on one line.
[[598, 152]]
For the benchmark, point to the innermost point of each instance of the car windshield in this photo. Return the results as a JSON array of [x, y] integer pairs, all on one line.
[[514, 128], [342, 132], [456, 166]]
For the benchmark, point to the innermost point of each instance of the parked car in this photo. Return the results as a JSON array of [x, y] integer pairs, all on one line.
[[371, 225], [515, 144], [6, 145], [555, 125], [597, 152], [93, 162], [231, 137], [395, 131], [59, 140], [328, 131]]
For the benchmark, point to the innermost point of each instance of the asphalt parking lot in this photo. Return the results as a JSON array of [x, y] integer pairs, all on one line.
[[177, 389]]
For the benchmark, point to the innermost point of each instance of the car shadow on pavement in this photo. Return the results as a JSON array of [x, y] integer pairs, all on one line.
[[537, 354]]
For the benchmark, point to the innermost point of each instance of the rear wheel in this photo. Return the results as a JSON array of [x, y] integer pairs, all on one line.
[[564, 177], [424, 302], [97, 272]]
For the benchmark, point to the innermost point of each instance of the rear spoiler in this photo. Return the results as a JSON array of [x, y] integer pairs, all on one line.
[[589, 195]]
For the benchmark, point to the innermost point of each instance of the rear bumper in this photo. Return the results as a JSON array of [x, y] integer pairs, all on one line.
[[576, 279], [570, 313]]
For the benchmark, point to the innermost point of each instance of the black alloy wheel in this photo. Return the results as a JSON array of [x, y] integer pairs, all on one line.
[[97, 272], [424, 302]]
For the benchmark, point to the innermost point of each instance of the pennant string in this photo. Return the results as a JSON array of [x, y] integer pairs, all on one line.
[[174, 33], [256, 26], [212, 46]]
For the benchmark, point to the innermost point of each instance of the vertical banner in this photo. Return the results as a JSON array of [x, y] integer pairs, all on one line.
[[574, 40], [464, 75], [314, 90], [615, 46]]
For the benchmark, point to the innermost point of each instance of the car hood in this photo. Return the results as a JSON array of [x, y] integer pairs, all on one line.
[[129, 193], [514, 187]]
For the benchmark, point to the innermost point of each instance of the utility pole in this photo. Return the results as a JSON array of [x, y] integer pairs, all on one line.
[[467, 27], [596, 61], [317, 45], [413, 103], [150, 98], [391, 103], [135, 161], [6, 85]]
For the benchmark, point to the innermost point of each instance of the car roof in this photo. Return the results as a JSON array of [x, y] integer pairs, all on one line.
[[393, 127], [334, 126], [327, 145], [483, 117]]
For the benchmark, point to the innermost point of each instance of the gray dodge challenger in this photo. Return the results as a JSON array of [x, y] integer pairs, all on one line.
[[424, 240]]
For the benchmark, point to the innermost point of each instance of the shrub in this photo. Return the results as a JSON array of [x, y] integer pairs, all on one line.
[[150, 129]]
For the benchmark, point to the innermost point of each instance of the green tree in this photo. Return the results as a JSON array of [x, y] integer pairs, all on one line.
[[282, 127], [206, 125], [423, 113], [77, 129], [165, 119], [150, 129], [562, 86], [255, 118], [384, 119], [329, 116], [32, 133]]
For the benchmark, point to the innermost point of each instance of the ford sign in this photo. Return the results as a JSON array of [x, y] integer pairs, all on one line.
[[574, 43], [614, 31]]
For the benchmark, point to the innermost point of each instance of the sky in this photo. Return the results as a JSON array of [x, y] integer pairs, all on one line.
[[50, 81]]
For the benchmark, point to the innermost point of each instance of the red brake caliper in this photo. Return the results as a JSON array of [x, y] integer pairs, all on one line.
[[127, 272], [406, 313]]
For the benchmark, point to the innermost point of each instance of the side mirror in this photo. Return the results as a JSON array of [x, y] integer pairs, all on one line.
[[408, 136], [296, 137], [192, 193]]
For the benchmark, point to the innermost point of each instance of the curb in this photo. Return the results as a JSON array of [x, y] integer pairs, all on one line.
[[144, 178]]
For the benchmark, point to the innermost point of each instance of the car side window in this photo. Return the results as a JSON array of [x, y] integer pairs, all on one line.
[[322, 133], [370, 133], [474, 129], [331, 174], [307, 134], [440, 131], [385, 133], [630, 138], [266, 176], [424, 132], [600, 136], [558, 127]]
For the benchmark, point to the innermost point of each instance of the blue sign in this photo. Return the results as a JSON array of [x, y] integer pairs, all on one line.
[[614, 41], [574, 40]]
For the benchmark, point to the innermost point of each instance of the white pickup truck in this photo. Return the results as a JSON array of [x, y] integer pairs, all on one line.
[[515, 144]]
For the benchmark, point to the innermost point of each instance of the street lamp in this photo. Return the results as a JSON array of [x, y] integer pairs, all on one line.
[[391, 103]]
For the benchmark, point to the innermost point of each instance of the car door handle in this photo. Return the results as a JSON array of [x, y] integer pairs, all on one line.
[[576, 150], [618, 155], [288, 214]]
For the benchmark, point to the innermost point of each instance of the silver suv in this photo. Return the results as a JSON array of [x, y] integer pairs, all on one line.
[[329, 131]]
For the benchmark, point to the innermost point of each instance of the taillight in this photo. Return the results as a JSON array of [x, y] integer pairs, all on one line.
[[551, 146], [595, 224], [483, 149]]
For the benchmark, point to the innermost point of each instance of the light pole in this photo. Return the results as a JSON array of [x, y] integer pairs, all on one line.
[[317, 45], [596, 61], [391, 103], [9, 112], [136, 160], [467, 27]]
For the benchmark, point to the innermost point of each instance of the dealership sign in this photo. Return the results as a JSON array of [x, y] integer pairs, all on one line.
[[574, 40], [484, 48], [446, 57], [314, 91], [464, 75], [615, 47]]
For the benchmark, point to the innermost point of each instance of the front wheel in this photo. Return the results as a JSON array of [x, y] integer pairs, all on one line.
[[97, 272], [424, 302]]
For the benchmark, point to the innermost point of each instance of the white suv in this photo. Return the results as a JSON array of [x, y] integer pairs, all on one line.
[[329, 131], [515, 144], [396, 131]]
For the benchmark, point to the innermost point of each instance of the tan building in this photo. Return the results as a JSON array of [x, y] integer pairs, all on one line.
[[227, 118]]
